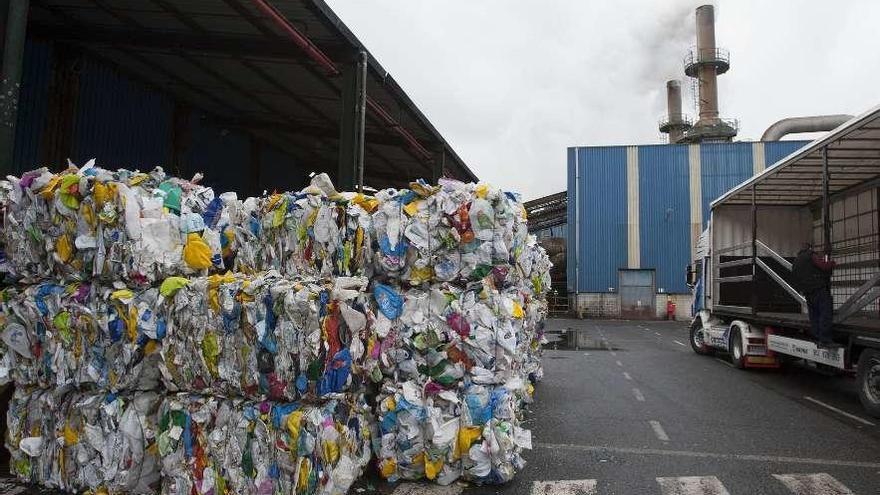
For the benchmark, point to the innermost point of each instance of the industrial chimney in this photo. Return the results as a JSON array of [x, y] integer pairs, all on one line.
[[705, 63], [675, 123]]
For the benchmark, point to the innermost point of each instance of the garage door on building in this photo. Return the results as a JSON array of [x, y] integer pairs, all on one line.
[[636, 294]]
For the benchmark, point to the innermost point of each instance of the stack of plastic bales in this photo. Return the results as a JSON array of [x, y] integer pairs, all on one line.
[[270, 345], [462, 311], [82, 324], [280, 366]]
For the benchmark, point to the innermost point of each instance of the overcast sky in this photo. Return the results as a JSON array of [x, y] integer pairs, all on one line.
[[512, 83]]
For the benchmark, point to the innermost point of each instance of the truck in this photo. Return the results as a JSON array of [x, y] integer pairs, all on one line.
[[746, 301]]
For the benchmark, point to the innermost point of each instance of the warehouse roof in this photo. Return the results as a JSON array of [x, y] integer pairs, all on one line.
[[853, 153], [548, 211], [270, 67]]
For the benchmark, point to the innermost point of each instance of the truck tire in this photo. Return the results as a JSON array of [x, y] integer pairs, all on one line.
[[869, 381], [737, 352], [697, 343]]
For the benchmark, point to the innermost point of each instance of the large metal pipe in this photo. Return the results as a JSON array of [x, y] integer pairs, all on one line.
[[793, 125], [707, 75], [673, 107]]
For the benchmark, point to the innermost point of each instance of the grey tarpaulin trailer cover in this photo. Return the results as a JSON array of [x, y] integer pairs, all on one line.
[[826, 193]]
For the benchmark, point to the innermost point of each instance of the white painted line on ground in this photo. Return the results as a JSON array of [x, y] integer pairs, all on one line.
[[619, 363], [813, 484], [679, 343], [626, 375], [425, 489], [726, 363], [838, 411], [707, 455], [564, 487], [613, 353], [586, 354], [692, 485], [638, 394], [659, 431], [657, 334]]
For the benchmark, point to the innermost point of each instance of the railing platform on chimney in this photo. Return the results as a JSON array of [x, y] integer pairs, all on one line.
[[716, 57]]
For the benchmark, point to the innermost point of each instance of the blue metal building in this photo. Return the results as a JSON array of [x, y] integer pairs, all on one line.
[[638, 211]]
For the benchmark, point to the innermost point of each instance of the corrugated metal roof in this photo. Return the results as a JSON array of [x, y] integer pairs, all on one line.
[[664, 214], [853, 154], [227, 59], [603, 213]]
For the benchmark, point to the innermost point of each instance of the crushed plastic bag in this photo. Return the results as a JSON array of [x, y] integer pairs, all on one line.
[[232, 446], [76, 441]]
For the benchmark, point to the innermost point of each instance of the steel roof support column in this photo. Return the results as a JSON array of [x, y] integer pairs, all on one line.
[[352, 137], [754, 300], [826, 202], [438, 167], [10, 79]]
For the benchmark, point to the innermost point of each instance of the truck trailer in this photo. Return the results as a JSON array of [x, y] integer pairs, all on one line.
[[746, 301]]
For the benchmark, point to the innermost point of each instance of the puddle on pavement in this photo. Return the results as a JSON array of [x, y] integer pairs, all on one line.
[[571, 339]]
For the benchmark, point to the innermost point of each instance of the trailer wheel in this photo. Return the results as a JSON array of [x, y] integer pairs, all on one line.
[[869, 381], [737, 353], [697, 343]]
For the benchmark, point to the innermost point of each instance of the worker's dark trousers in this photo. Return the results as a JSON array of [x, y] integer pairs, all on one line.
[[821, 307]]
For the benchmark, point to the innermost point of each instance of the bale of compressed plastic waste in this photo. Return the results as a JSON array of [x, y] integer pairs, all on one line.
[[77, 441], [82, 335], [449, 334], [452, 232], [266, 336], [316, 232], [233, 446], [90, 223], [472, 433]]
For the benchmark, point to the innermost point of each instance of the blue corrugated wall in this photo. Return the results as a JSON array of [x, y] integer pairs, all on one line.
[[602, 204], [124, 123], [664, 214], [280, 170], [723, 166], [223, 155], [31, 119], [120, 122], [777, 150]]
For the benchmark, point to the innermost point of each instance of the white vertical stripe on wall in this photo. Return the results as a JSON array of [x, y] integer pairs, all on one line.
[[696, 188], [633, 250], [758, 161]]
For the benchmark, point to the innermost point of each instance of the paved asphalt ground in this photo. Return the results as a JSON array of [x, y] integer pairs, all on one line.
[[634, 411], [650, 408]]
